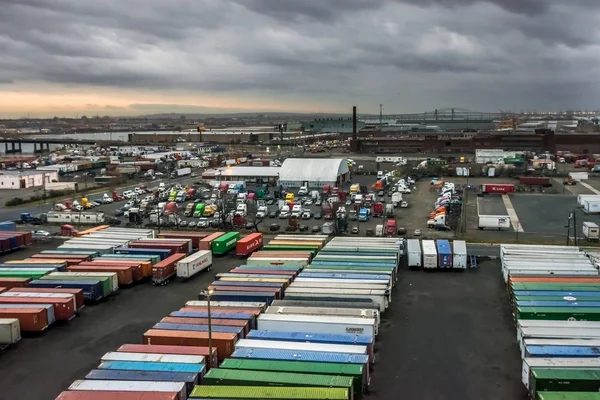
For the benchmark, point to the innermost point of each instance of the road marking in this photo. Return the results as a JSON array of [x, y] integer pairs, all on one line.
[[514, 219], [588, 187]]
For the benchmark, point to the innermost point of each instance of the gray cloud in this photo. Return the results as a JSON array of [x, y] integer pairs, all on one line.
[[408, 54]]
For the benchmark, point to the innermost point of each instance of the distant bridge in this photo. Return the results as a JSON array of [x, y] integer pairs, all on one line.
[[41, 145], [448, 115]]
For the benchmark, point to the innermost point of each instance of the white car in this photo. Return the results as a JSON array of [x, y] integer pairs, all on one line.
[[308, 202], [404, 204], [128, 194], [203, 223], [41, 234]]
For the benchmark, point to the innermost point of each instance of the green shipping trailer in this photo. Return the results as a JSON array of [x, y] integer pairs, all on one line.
[[355, 371], [555, 286], [564, 380], [104, 281], [568, 396], [32, 273], [559, 313], [225, 243], [232, 377], [557, 298], [268, 393]]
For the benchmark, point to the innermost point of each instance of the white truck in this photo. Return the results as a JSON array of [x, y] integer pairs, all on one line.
[[396, 199], [591, 231], [493, 222], [389, 210], [181, 172]]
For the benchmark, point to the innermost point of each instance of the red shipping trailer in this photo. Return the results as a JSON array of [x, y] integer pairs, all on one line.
[[493, 188], [248, 244], [166, 269]]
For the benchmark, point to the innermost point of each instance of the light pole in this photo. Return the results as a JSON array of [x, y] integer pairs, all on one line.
[[207, 293]]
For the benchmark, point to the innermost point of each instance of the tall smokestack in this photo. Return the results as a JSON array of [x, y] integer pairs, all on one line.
[[354, 132]]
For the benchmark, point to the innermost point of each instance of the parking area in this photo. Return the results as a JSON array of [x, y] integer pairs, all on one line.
[[491, 205]]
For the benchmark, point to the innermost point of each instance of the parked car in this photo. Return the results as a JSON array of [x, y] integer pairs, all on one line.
[[303, 228], [316, 229], [272, 214], [355, 229], [183, 223], [417, 232], [318, 215], [306, 215], [192, 224], [274, 227]]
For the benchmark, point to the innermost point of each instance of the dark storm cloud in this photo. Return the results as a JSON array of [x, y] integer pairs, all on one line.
[[303, 50]]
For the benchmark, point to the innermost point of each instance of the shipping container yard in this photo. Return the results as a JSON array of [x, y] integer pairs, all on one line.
[[294, 317]]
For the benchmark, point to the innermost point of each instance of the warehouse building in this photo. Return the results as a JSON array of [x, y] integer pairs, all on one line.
[[313, 172], [247, 174], [26, 179]]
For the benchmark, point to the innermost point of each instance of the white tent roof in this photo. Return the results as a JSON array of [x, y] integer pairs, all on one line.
[[313, 169]]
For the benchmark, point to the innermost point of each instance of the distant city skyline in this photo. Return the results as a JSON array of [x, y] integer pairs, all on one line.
[[136, 57]]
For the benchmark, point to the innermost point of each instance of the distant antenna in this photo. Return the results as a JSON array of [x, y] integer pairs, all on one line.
[[380, 116]]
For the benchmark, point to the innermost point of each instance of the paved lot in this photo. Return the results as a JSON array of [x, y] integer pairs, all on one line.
[[548, 213], [448, 336], [491, 205]]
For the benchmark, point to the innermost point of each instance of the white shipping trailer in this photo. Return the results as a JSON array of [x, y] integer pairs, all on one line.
[[562, 363], [10, 331], [333, 325], [378, 297], [413, 249], [300, 262], [324, 311], [335, 281], [459, 258], [131, 386], [581, 198], [565, 270], [194, 263], [348, 286], [430, 258], [300, 346], [557, 333], [152, 357], [591, 207], [233, 304]]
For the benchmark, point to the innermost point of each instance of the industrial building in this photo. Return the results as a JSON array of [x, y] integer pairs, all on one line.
[[313, 172], [268, 175], [26, 179]]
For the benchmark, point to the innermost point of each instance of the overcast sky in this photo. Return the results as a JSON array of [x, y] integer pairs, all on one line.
[[124, 57]]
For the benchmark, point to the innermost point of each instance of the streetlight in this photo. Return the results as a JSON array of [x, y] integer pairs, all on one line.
[[207, 293]]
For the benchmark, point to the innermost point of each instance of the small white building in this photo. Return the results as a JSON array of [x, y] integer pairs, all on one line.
[[313, 172], [26, 179], [244, 173]]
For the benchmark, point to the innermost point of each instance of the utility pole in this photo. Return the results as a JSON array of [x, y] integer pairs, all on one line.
[[381, 116]]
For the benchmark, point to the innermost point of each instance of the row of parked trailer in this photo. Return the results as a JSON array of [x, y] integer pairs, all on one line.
[[281, 327], [555, 298], [436, 254]]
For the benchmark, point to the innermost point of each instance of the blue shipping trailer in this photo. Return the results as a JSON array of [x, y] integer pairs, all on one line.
[[8, 226], [162, 253], [562, 351], [444, 252], [153, 366], [253, 297], [200, 328], [363, 340], [190, 378], [92, 289], [57, 267], [248, 283], [531, 303]]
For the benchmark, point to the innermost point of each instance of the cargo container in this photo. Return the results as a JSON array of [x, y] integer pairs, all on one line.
[[39, 295], [196, 237], [89, 254], [535, 180], [444, 252], [342, 284], [64, 308], [561, 351], [493, 188], [263, 297], [206, 243], [57, 267], [459, 259], [333, 325], [268, 393], [166, 269], [430, 256], [239, 332], [115, 395], [194, 263], [31, 273], [559, 313], [285, 274], [285, 248], [248, 284], [162, 253], [378, 297], [183, 350], [259, 290], [326, 311], [188, 247], [300, 262], [109, 277], [563, 380], [176, 246], [309, 337], [10, 331], [223, 342], [140, 269], [557, 304], [124, 274], [93, 289], [250, 318], [152, 357], [30, 319], [248, 244], [225, 243], [189, 378], [153, 259], [354, 371], [14, 282], [227, 304], [562, 363], [244, 325], [414, 253], [222, 377], [78, 293], [357, 304], [131, 386]]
